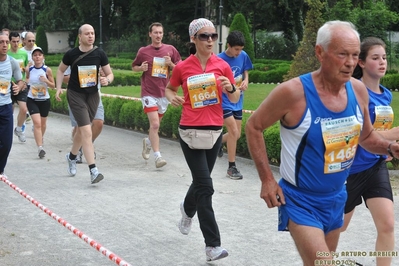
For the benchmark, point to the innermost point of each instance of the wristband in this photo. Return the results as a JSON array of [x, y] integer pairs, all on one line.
[[233, 89]]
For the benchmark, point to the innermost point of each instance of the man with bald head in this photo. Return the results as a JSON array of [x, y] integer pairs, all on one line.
[[9, 68], [29, 45], [323, 117], [82, 94]]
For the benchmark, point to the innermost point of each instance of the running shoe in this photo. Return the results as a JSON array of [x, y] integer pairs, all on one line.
[[71, 165], [146, 149], [159, 162], [233, 173], [185, 221], [41, 153], [95, 175], [215, 253], [20, 135]]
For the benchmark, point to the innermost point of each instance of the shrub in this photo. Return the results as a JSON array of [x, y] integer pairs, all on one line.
[[239, 23], [41, 39], [126, 115], [391, 81]]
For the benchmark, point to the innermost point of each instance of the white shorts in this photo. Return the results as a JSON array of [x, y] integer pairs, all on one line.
[[151, 104]]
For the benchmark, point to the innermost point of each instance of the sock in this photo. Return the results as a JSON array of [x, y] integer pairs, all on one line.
[[231, 164], [147, 140], [91, 166], [19, 128], [72, 156], [40, 148], [157, 154]]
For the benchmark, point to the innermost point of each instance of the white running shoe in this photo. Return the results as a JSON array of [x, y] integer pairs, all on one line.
[[159, 162], [185, 221], [71, 165], [20, 135], [95, 175], [146, 149], [215, 253]]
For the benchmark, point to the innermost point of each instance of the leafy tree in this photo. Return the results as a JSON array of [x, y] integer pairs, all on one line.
[[339, 11], [305, 59], [374, 19], [41, 39], [13, 14], [239, 23], [57, 15]]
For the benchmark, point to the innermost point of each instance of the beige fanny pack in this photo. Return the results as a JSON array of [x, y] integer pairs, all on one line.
[[201, 139]]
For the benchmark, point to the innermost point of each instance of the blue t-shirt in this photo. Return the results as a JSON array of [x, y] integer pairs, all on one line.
[[377, 102], [238, 65]]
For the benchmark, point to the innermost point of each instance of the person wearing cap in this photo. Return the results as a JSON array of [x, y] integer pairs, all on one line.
[[9, 69], [204, 78], [156, 61], [40, 79], [82, 95], [22, 43], [21, 98]]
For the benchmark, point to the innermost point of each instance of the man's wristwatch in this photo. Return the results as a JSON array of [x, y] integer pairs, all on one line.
[[109, 82], [233, 90]]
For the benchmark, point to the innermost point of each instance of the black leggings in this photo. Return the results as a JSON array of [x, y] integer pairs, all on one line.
[[199, 195]]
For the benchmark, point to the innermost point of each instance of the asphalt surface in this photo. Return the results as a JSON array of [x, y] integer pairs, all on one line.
[[133, 212]]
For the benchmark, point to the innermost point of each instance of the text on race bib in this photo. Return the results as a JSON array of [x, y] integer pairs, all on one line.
[[4, 86], [87, 76], [383, 117], [341, 137], [159, 68], [202, 90], [38, 90]]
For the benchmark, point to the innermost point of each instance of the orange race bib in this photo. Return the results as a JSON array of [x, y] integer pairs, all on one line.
[[202, 90], [4, 86], [238, 80], [159, 68], [87, 76], [21, 65], [341, 137], [383, 117], [38, 90]]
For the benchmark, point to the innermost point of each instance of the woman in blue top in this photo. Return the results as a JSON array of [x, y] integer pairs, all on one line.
[[369, 177]]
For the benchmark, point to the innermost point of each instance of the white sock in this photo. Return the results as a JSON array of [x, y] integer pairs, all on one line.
[[147, 140], [19, 128], [157, 154]]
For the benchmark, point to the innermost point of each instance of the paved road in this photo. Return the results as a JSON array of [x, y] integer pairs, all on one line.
[[133, 212]]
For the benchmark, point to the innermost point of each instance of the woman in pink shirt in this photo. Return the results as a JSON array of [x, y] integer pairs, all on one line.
[[203, 77]]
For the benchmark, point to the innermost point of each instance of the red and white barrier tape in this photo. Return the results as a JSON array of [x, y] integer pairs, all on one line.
[[106, 252], [139, 99]]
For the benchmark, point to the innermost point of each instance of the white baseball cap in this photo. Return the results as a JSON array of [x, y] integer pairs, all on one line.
[[37, 49], [23, 35]]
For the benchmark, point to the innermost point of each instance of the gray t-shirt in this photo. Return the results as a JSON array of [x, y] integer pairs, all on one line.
[[9, 68]]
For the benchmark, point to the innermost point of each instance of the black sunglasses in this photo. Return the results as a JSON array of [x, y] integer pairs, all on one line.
[[205, 36]]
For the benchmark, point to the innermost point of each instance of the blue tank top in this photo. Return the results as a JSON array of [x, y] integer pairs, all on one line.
[[317, 153], [381, 116]]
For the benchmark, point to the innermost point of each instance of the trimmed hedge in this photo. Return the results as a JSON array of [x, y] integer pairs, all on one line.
[[129, 114]]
